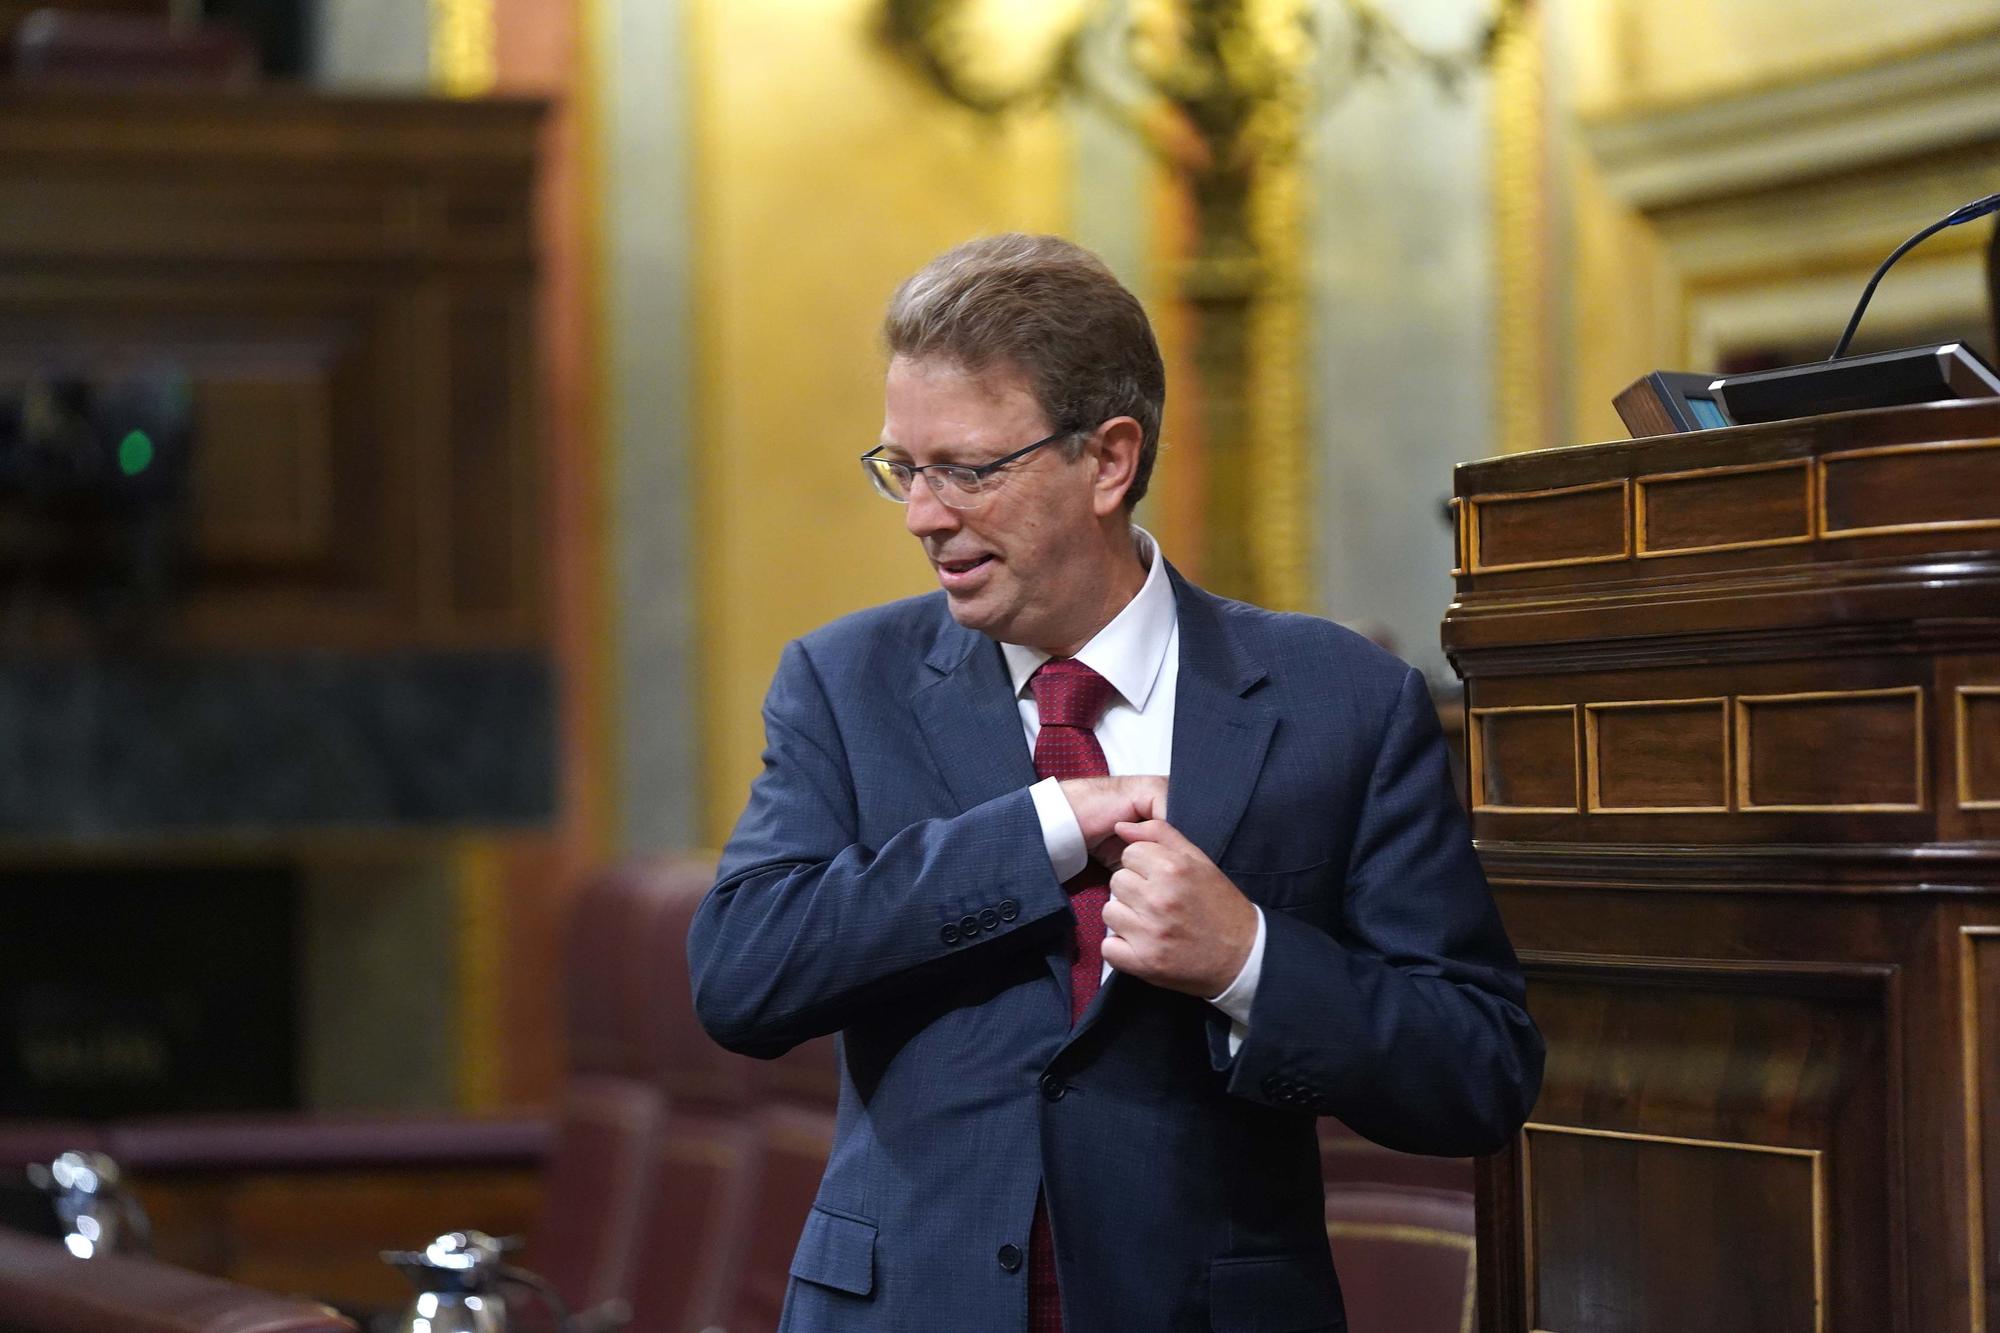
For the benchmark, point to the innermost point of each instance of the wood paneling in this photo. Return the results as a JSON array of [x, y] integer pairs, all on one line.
[[1761, 953], [1724, 508], [1658, 755], [1979, 989], [1524, 759], [320, 1233], [1570, 525], [1977, 744], [1911, 488], [349, 284], [1596, 1193], [1831, 750]]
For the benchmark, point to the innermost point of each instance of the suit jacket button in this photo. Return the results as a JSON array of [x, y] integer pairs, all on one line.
[[989, 919], [949, 934], [968, 926], [1009, 909], [1053, 1088], [1010, 1258]]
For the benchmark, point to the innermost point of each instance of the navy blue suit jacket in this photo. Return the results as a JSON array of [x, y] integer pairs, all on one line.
[[888, 881]]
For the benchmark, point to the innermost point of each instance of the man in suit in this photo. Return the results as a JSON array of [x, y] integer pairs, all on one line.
[[1110, 886]]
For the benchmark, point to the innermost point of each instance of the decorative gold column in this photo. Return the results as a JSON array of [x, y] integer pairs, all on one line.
[[1520, 219], [464, 48], [1277, 465]]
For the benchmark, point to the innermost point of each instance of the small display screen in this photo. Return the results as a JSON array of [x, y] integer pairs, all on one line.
[[1707, 413]]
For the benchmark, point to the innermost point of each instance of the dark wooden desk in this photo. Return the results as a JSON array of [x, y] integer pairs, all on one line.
[[1733, 712]]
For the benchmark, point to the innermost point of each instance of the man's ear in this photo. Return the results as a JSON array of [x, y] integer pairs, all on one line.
[[1116, 451]]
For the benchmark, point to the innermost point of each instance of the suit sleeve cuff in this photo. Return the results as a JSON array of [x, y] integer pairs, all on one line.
[[1238, 996], [1063, 836]]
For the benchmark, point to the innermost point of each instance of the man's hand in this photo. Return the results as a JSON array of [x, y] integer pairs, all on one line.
[[1176, 920], [1102, 803]]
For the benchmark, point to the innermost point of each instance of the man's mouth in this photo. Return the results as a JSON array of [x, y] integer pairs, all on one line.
[[962, 573]]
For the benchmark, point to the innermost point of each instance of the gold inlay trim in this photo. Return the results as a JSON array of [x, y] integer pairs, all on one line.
[[1476, 759], [1915, 694], [1827, 529], [1808, 512], [1593, 795], [1815, 1159], [1476, 545], [1974, 1104], [1457, 537], [1962, 741]]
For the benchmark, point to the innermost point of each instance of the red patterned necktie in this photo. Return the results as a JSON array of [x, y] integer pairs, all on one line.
[[1070, 698]]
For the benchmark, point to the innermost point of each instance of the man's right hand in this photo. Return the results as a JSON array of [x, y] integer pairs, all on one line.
[[1100, 804]]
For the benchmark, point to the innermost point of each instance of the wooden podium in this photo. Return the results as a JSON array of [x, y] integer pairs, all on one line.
[[1733, 723]]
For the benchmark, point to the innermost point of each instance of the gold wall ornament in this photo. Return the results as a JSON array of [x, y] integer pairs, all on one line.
[[1523, 378], [465, 58], [1222, 92]]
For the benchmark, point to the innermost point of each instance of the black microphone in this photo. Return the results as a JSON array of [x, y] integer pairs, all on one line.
[[1978, 208]]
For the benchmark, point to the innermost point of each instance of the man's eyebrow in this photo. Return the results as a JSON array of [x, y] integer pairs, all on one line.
[[950, 453]]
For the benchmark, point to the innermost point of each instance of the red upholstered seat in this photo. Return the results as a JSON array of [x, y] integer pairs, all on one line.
[[1348, 1159], [610, 1116], [1405, 1258], [796, 1097], [705, 1157]]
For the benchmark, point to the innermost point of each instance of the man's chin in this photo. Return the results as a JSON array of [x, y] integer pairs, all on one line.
[[977, 613]]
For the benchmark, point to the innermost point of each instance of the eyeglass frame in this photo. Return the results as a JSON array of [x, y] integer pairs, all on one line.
[[980, 471]]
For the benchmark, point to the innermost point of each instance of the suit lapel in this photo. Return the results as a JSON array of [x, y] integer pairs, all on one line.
[[1220, 739], [970, 720], [1221, 732]]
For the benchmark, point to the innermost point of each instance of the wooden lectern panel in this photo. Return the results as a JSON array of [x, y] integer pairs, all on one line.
[[1733, 705]]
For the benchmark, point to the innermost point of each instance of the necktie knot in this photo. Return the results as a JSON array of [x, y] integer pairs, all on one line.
[[1069, 694]]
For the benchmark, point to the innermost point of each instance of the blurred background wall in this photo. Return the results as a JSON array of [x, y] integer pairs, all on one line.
[[726, 192]]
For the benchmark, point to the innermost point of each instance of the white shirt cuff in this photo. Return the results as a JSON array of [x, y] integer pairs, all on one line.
[[1240, 994], [1063, 835]]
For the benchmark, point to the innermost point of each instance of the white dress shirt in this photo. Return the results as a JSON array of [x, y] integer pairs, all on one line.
[[1139, 654]]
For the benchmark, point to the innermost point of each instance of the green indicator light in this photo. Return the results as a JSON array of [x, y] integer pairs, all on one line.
[[135, 453]]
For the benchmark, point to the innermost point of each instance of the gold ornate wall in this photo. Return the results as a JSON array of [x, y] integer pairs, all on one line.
[[824, 173], [1719, 171]]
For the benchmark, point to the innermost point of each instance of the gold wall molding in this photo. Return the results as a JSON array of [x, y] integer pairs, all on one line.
[[1801, 127], [465, 60], [1522, 374], [480, 953]]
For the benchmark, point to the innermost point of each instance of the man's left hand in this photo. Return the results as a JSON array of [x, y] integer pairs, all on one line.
[[1174, 919]]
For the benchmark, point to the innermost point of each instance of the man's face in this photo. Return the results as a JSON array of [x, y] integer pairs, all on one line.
[[1002, 563]]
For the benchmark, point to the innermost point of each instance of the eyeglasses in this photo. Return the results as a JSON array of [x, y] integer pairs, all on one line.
[[960, 485]]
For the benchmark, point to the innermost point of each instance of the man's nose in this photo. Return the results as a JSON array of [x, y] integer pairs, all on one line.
[[925, 515]]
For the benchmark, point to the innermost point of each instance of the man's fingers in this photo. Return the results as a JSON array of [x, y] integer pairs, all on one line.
[[1119, 918], [1151, 830], [1110, 852], [1119, 953]]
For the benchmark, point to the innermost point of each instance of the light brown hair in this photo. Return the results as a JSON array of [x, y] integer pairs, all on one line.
[[1050, 309]]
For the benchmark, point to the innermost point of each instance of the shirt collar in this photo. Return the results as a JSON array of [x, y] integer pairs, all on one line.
[[1129, 651]]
